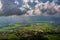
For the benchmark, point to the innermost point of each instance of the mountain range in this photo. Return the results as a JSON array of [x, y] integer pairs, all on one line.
[[29, 19]]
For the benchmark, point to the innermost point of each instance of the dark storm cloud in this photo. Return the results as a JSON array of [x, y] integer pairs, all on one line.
[[9, 7]]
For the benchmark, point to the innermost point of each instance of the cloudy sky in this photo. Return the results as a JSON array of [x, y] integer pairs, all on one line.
[[29, 7]]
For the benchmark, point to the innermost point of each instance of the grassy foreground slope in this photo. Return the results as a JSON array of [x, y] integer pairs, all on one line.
[[33, 31]]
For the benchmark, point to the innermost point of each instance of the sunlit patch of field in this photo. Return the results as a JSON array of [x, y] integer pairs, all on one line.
[[46, 27]]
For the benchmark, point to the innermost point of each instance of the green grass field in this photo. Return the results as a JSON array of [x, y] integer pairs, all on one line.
[[28, 32], [38, 26]]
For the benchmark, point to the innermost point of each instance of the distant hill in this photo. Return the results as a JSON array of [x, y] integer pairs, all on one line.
[[28, 19]]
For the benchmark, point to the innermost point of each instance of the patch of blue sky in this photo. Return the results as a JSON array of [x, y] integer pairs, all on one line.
[[45, 1]]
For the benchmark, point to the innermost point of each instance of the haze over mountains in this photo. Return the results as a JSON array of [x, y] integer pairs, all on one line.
[[30, 7], [28, 19]]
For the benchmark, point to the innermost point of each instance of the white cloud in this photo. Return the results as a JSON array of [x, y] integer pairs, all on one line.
[[31, 0], [16, 2], [36, 1], [40, 8], [0, 5], [47, 8], [25, 1]]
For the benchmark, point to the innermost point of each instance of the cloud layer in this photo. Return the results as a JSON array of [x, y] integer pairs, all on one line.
[[29, 7], [45, 9]]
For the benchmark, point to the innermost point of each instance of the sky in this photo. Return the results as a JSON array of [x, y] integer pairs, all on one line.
[[30, 7]]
